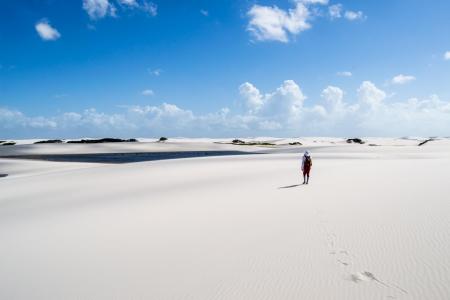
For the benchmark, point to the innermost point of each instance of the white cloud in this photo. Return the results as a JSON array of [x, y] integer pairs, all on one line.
[[143, 5], [12, 119], [335, 11], [281, 112], [150, 8], [164, 117], [102, 121], [344, 74], [333, 95], [369, 94], [270, 23], [428, 117], [322, 2], [269, 125], [447, 55], [128, 2], [402, 79], [372, 116], [336, 108], [286, 101], [204, 12], [97, 9], [46, 31], [154, 72], [354, 15], [252, 96], [60, 96], [284, 105], [147, 92]]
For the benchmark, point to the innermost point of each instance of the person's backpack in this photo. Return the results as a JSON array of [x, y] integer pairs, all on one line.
[[307, 162]]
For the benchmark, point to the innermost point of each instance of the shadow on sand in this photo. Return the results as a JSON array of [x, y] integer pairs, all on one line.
[[3, 175], [290, 186]]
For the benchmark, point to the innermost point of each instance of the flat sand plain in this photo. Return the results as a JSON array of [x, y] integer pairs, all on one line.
[[374, 222]]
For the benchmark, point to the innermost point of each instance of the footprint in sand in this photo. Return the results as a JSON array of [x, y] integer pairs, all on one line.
[[331, 239], [363, 276], [368, 276], [343, 262], [343, 257]]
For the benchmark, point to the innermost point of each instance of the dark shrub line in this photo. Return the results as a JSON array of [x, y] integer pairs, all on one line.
[[105, 140]]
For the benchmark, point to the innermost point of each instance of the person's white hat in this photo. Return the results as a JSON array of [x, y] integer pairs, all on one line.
[[306, 153]]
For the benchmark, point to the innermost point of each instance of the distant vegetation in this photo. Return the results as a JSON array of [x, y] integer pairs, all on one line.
[[256, 143], [8, 143], [49, 142], [236, 141], [355, 140], [162, 139], [295, 143], [105, 140], [426, 141]]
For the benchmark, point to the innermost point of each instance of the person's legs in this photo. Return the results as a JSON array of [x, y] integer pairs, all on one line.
[[307, 176], [304, 177]]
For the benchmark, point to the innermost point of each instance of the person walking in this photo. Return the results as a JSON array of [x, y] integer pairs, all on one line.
[[306, 166]]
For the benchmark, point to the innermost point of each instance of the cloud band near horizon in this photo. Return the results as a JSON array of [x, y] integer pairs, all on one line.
[[283, 112]]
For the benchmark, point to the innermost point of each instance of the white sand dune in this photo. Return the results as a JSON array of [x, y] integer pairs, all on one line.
[[374, 223]]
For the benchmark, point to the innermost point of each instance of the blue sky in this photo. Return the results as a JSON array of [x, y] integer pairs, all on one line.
[[224, 68]]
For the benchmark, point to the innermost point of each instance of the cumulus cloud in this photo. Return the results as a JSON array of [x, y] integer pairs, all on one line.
[[154, 72], [426, 117], [164, 116], [354, 15], [133, 119], [344, 74], [147, 92], [369, 94], [46, 31], [270, 23], [371, 115], [402, 79], [284, 111], [97, 9], [13, 119], [129, 2], [335, 109], [322, 2], [145, 6], [447, 55], [252, 97], [333, 95], [150, 8], [335, 11], [285, 103]]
